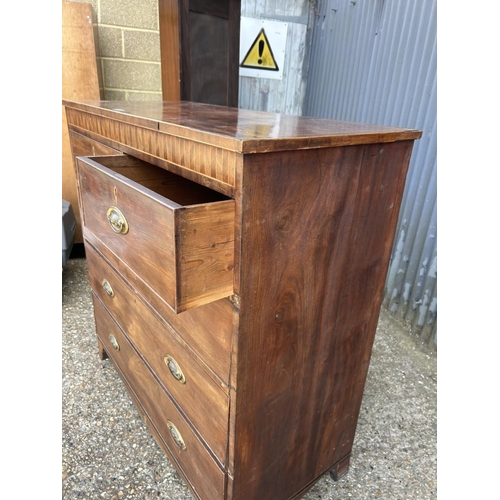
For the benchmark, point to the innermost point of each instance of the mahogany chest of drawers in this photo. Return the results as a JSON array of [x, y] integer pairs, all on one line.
[[237, 261]]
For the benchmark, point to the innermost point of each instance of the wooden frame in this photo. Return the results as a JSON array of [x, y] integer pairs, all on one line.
[[199, 43]]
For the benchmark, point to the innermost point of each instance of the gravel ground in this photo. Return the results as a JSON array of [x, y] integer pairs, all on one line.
[[108, 453]]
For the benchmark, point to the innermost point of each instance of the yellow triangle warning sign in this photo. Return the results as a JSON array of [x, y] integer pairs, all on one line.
[[260, 54]]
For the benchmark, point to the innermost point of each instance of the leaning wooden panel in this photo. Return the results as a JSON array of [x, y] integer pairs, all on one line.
[[80, 80]]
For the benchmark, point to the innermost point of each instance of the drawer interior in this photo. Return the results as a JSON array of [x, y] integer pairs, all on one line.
[[174, 187], [179, 237]]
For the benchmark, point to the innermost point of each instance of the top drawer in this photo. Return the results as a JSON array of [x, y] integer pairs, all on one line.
[[176, 235]]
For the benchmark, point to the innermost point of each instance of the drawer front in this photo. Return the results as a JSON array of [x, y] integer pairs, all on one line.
[[152, 429], [205, 477], [182, 246], [83, 146], [206, 329], [180, 373]]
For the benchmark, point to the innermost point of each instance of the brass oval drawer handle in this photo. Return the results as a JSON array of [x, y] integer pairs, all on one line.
[[176, 435], [117, 220], [174, 369], [113, 342], [108, 288]]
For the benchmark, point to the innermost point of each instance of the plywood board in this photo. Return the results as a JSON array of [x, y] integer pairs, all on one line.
[[80, 80]]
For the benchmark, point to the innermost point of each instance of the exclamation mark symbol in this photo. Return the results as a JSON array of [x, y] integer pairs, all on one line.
[[261, 50]]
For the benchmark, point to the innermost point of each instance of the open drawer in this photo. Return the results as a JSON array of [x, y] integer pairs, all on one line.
[[176, 235]]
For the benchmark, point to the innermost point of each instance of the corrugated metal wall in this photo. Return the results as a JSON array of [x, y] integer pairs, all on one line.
[[374, 61]]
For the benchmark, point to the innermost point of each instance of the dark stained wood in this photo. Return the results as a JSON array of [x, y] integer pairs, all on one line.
[[200, 162], [245, 131], [340, 469], [283, 358], [171, 269], [199, 42], [336, 472], [152, 429], [198, 395], [200, 468], [121, 111], [208, 329], [316, 254], [102, 352]]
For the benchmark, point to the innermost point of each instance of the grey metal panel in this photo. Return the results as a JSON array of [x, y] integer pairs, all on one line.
[[286, 95], [374, 61]]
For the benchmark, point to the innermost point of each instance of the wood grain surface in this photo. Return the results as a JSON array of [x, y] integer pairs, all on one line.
[[199, 394], [314, 260], [302, 212], [80, 80], [197, 465], [242, 130], [192, 264]]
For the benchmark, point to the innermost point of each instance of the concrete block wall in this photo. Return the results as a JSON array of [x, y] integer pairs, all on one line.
[[129, 45]]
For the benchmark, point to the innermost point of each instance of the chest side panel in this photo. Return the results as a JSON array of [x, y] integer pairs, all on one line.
[[317, 231]]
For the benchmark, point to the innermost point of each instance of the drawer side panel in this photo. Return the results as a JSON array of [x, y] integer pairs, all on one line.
[[206, 253]]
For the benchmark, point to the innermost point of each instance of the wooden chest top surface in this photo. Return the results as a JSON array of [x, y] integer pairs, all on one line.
[[241, 130]]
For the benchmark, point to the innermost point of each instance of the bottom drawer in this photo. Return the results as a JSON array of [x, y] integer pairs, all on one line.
[[195, 463], [152, 429]]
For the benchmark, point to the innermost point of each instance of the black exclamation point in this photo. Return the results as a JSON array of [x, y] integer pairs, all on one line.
[[261, 50]]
